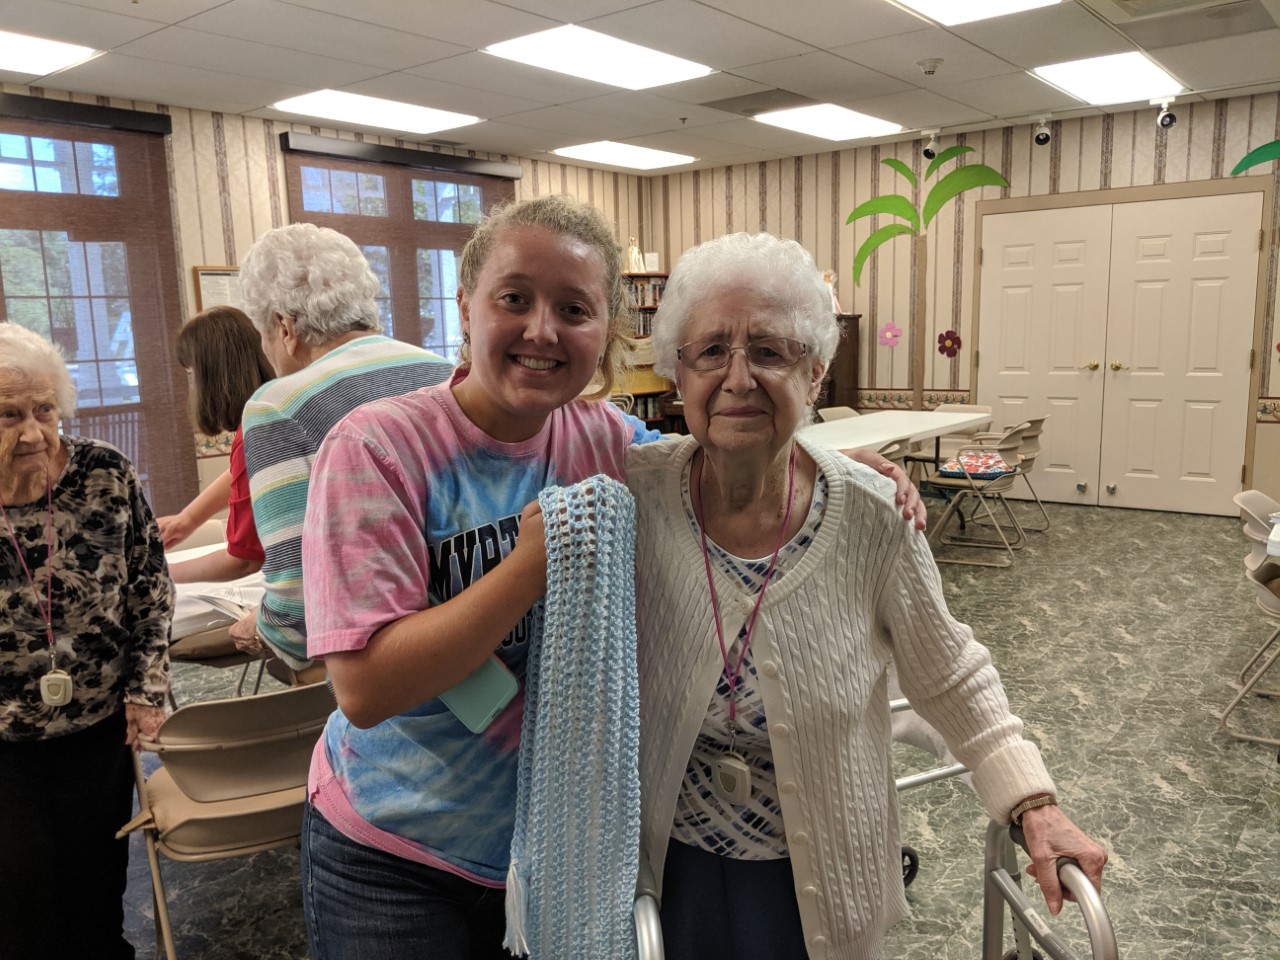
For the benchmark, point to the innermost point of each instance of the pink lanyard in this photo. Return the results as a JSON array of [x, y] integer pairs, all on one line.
[[46, 609], [715, 604]]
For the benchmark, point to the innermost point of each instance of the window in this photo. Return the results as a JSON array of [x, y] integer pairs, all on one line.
[[410, 223], [87, 260]]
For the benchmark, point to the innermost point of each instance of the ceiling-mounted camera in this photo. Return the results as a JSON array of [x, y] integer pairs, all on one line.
[[1166, 118], [931, 147], [1043, 134]]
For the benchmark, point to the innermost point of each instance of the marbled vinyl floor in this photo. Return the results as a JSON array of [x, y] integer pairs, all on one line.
[[1119, 634]]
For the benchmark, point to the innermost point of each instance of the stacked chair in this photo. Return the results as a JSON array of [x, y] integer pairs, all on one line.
[[232, 781], [1264, 573], [1027, 455], [984, 488], [949, 444], [827, 414]]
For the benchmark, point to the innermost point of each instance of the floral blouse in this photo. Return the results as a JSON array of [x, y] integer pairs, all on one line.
[[112, 598]]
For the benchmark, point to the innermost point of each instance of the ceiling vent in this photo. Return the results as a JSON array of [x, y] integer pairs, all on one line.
[[755, 103], [1125, 11]]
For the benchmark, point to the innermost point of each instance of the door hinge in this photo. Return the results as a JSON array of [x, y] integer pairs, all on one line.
[[1262, 240], [977, 358], [980, 255], [1243, 468], [1253, 357]]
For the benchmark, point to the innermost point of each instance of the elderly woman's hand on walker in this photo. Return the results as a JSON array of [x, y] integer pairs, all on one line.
[[1051, 835]]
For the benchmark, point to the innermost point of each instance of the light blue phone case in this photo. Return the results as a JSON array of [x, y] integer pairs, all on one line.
[[477, 700]]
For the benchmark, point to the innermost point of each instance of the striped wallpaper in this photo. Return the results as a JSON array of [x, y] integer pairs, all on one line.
[[228, 186]]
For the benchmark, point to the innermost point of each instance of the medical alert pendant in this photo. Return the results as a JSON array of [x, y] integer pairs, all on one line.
[[55, 688], [733, 779]]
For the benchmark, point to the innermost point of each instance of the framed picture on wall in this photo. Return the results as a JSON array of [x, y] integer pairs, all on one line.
[[217, 285]]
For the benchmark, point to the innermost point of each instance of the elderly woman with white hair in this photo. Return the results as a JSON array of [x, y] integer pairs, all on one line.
[[310, 292], [775, 582], [85, 608]]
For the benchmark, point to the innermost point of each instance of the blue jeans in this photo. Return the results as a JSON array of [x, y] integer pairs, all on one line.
[[366, 904]]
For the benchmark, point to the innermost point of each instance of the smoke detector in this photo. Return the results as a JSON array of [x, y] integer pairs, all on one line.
[[930, 66]]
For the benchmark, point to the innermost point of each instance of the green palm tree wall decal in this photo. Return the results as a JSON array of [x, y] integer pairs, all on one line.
[[954, 183], [1264, 153], [913, 222]]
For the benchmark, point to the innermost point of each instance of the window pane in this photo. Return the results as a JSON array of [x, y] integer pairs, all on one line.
[[114, 322], [57, 264], [437, 305], [108, 269], [446, 202], [428, 267], [13, 146], [119, 382], [31, 313], [88, 391], [315, 190], [373, 195], [424, 200], [346, 193], [96, 167], [15, 176], [380, 263], [468, 203], [55, 165], [21, 263]]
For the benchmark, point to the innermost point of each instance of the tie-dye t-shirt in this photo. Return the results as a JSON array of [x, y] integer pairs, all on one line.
[[420, 785]]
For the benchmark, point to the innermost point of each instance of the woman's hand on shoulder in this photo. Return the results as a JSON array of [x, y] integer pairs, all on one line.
[[1051, 834], [907, 496], [141, 720]]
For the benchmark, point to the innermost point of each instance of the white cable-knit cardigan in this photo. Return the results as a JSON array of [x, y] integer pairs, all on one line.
[[865, 590]]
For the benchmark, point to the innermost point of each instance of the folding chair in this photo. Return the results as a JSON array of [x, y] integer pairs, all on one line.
[[1267, 578], [1027, 454], [1257, 508], [232, 781], [948, 445], [982, 487], [827, 414]]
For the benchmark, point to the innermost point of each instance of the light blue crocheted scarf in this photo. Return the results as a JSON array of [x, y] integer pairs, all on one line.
[[575, 852]]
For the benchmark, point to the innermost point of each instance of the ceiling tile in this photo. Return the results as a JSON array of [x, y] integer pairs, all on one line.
[[130, 78], [574, 11], [822, 76], [487, 72], [919, 109], [441, 95], [696, 32], [476, 23], [824, 23], [717, 86], [1248, 59], [1034, 38], [753, 133], [1014, 94], [166, 11], [686, 142], [71, 24], [576, 126], [321, 33], [656, 113], [961, 59], [246, 58], [495, 136]]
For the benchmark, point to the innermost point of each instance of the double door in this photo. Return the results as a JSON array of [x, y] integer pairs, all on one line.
[[1130, 325]]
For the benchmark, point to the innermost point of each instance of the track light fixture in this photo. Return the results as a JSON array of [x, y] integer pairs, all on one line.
[[1043, 134], [1166, 118], [931, 147]]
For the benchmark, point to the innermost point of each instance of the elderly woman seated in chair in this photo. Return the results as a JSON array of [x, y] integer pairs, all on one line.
[[776, 579]]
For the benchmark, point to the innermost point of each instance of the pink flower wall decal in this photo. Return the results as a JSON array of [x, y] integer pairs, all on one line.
[[949, 343], [890, 335]]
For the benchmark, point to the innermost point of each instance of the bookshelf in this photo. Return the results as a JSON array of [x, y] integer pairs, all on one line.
[[655, 400]]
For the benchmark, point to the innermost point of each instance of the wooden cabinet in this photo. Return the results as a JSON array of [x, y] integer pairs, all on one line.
[[842, 381]]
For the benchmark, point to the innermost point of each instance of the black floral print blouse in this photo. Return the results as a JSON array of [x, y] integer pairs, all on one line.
[[112, 598]]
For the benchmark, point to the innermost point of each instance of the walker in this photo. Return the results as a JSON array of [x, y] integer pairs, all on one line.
[[1002, 886]]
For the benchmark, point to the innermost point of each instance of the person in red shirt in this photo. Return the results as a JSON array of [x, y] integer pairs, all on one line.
[[222, 351]]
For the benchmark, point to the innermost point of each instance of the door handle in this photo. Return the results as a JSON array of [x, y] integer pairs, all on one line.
[[1091, 365], [1117, 365]]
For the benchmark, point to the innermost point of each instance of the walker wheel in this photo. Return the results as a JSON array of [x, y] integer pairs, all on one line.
[[910, 866], [1013, 955]]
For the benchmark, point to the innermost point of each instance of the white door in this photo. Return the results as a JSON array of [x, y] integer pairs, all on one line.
[[1043, 334], [1179, 334]]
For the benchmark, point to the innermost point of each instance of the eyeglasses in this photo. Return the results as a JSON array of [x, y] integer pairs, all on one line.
[[767, 352]]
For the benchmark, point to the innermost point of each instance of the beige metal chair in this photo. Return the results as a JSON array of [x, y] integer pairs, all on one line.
[[983, 492], [1027, 455], [1256, 508], [827, 414], [948, 445], [1266, 577], [232, 781], [896, 452], [206, 535]]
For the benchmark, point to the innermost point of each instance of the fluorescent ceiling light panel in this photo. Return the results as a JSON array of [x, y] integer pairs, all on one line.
[[585, 53], [20, 53], [1119, 78], [623, 155], [950, 12], [830, 122], [374, 112]]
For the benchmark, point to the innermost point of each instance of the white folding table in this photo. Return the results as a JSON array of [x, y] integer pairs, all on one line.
[[874, 430]]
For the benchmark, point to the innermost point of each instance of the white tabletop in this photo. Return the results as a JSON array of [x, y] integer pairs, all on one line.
[[874, 430], [1273, 543], [203, 606]]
